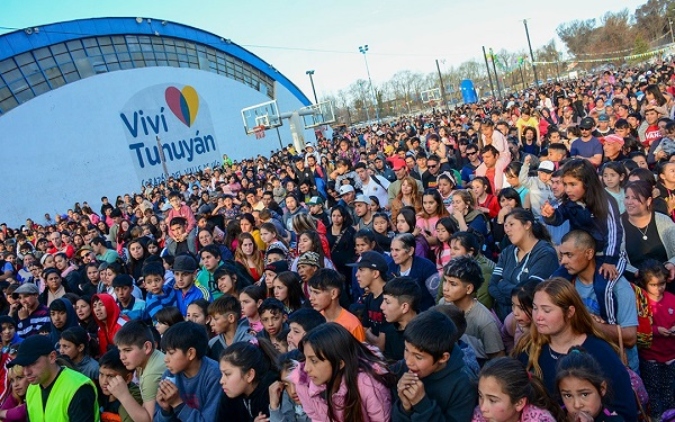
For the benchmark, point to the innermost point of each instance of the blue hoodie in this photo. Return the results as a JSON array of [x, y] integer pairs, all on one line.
[[71, 321]]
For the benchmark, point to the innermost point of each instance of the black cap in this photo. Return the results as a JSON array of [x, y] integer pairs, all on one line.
[[184, 263], [122, 280], [116, 213], [31, 349], [374, 261], [587, 123], [277, 266]]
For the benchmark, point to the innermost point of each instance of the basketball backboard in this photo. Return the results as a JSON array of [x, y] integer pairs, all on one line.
[[318, 114], [431, 95], [264, 115]]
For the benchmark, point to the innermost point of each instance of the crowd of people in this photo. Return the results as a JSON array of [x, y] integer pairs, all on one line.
[[510, 260]]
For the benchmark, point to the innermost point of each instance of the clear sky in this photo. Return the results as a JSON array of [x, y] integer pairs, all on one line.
[[299, 35]]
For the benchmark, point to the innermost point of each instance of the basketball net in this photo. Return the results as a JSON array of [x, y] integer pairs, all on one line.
[[259, 132]]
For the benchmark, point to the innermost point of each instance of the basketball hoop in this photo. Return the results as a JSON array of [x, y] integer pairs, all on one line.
[[259, 131]]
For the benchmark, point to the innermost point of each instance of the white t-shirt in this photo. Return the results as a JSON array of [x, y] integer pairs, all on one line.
[[374, 189]]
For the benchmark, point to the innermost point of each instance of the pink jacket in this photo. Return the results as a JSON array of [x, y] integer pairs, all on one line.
[[375, 397], [530, 414]]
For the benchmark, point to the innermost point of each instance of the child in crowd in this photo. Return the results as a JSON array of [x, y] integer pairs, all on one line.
[[160, 294], [227, 325], [198, 312], [457, 317], [371, 274], [433, 385], [468, 243], [247, 373], [251, 298], [462, 277], [287, 290], [657, 363], [507, 392], [588, 207], [136, 344], [74, 344], [445, 228], [432, 210], [381, 230], [400, 304], [109, 319], [189, 387], [300, 323], [228, 281], [614, 176], [184, 270], [272, 270], [582, 386], [518, 322], [130, 306], [167, 317], [539, 186], [325, 287], [13, 408], [111, 367], [285, 405], [341, 379], [62, 315], [273, 317]]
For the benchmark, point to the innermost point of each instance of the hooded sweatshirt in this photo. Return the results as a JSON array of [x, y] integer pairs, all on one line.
[[71, 321], [113, 322]]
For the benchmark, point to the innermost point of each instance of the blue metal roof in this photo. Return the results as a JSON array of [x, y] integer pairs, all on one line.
[[20, 41]]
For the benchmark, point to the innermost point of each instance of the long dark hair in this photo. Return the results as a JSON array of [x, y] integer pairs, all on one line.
[[348, 357], [293, 283], [526, 216], [595, 197], [517, 383], [260, 358]]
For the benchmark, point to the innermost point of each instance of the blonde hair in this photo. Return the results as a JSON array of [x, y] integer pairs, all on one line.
[[564, 295], [303, 223], [15, 371]]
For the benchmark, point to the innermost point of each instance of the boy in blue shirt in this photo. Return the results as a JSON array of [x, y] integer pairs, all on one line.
[[184, 271], [189, 389], [160, 294], [130, 306]]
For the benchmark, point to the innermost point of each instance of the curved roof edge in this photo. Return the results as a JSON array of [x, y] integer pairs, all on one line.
[[21, 41]]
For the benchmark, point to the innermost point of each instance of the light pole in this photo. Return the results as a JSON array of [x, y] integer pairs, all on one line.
[[363, 49], [311, 80], [529, 44]]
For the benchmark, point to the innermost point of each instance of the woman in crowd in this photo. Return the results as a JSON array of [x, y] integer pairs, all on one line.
[[530, 255], [341, 240], [407, 263], [248, 255], [408, 196], [651, 234], [561, 321]]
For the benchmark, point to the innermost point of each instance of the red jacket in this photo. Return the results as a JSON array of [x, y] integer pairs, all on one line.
[[112, 324]]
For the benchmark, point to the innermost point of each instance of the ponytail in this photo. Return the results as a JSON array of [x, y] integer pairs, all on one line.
[[258, 355], [517, 383]]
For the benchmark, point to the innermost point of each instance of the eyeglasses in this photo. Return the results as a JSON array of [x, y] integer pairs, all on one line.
[[585, 129], [432, 165], [472, 153]]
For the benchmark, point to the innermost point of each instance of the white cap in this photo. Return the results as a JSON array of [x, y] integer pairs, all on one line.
[[546, 166], [362, 198], [345, 189]]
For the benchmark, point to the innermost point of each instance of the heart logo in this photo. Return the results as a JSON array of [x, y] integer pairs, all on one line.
[[183, 103]]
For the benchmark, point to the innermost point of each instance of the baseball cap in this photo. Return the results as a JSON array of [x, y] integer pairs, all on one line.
[[603, 118], [31, 349], [362, 198], [374, 261], [309, 258], [345, 189], [277, 266], [184, 263], [612, 139], [546, 166], [26, 289], [315, 200], [587, 123]]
